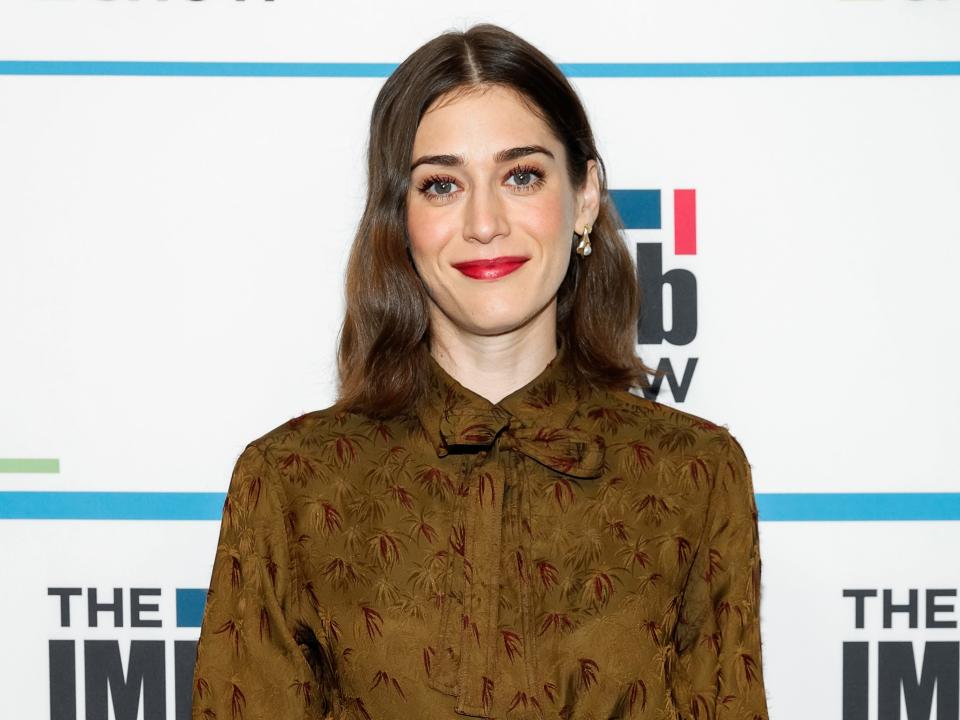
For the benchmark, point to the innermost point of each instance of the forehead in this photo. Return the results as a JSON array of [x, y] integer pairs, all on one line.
[[480, 121]]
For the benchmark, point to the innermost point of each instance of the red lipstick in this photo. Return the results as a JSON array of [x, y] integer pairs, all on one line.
[[491, 269]]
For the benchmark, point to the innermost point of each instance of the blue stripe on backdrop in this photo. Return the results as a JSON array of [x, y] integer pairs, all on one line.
[[639, 209], [190, 602], [381, 70], [773, 507]]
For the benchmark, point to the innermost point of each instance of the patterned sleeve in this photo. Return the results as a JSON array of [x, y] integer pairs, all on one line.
[[249, 665], [719, 664]]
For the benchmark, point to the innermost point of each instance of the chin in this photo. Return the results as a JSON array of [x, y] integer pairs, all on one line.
[[497, 323]]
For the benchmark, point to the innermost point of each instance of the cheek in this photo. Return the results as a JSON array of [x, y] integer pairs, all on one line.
[[550, 221], [549, 216], [426, 232]]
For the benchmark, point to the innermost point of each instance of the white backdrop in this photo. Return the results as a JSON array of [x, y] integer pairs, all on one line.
[[172, 241]]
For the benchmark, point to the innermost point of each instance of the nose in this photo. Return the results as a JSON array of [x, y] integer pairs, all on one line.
[[484, 217]]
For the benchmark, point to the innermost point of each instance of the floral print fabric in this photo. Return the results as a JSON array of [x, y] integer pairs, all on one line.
[[559, 554]]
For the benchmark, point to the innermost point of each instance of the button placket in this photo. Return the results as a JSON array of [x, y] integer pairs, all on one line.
[[477, 674], [522, 513], [445, 664]]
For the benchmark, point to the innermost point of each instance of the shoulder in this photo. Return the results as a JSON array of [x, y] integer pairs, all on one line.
[[643, 407], [653, 420], [693, 447], [321, 443], [293, 432], [312, 429], [635, 427]]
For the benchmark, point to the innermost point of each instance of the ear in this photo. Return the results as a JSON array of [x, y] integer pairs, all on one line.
[[588, 198]]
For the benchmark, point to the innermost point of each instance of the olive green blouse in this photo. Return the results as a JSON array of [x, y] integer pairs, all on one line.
[[559, 554]]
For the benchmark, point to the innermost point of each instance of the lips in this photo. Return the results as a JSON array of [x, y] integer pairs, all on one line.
[[491, 269]]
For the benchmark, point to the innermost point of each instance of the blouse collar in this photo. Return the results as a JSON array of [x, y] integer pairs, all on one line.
[[453, 415]]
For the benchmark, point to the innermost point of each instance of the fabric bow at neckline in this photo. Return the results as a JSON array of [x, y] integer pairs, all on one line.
[[566, 450]]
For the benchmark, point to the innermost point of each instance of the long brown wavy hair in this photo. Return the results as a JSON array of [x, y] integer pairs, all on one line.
[[384, 340]]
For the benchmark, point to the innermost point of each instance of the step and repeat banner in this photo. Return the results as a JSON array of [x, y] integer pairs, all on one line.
[[179, 184]]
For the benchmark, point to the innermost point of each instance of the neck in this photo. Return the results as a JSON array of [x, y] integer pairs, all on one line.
[[493, 366]]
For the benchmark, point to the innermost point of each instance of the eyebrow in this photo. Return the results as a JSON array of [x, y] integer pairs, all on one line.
[[499, 157]]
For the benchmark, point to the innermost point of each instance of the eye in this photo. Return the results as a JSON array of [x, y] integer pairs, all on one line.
[[443, 184], [532, 177]]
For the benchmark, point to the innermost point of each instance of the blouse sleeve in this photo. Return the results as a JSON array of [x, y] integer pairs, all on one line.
[[720, 668], [249, 665]]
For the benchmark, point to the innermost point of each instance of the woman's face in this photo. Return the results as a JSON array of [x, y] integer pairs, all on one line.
[[489, 181]]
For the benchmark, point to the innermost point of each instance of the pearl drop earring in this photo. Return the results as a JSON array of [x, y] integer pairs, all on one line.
[[584, 248]]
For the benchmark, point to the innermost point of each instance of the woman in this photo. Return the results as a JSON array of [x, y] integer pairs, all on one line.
[[487, 523]]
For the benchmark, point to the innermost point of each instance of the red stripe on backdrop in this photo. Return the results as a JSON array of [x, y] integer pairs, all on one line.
[[685, 222]]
